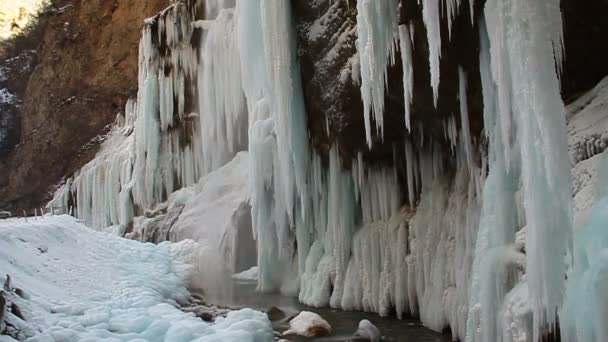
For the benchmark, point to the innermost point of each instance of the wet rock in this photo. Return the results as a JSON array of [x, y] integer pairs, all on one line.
[[14, 309], [7, 284], [275, 314], [19, 292], [308, 324], [76, 89], [202, 312]]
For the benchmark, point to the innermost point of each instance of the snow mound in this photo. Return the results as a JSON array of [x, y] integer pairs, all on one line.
[[250, 274], [308, 324], [83, 285]]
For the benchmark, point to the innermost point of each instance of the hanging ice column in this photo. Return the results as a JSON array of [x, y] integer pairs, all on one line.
[[377, 29], [278, 134], [223, 118], [525, 36]]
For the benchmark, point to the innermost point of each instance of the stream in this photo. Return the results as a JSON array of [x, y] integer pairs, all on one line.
[[343, 323]]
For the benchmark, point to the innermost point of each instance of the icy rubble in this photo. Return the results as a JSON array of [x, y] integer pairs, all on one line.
[[84, 285]]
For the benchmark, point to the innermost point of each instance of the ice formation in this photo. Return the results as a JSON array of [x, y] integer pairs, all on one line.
[[529, 106], [431, 235], [189, 119], [377, 28], [405, 45]]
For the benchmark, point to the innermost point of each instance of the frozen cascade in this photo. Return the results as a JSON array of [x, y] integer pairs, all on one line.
[[341, 237], [181, 127], [377, 29], [224, 122], [528, 105]]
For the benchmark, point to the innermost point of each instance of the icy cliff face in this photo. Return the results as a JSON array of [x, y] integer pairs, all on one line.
[[417, 214]]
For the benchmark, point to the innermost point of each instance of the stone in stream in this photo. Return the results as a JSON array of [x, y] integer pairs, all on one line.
[[201, 312], [308, 324], [275, 314]]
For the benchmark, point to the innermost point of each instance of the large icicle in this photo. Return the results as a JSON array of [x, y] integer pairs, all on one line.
[[377, 29], [432, 21], [408, 72]]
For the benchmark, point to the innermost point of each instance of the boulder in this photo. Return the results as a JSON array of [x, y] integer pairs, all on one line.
[[308, 324]]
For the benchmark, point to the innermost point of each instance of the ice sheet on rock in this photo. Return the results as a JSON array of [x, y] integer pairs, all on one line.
[[217, 217], [86, 285]]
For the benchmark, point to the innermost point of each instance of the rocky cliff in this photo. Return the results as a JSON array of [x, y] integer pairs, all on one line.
[[87, 68]]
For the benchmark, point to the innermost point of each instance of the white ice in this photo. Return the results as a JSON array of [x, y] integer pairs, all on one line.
[[83, 285]]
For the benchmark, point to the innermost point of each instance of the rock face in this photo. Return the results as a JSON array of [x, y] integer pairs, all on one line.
[[327, 49], [87, 69]]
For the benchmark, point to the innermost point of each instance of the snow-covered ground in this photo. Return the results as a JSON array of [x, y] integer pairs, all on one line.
[[82, 285]]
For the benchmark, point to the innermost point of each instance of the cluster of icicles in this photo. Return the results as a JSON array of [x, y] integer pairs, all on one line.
[[345, 238]]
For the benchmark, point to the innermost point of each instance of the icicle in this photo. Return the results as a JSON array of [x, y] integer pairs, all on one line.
[[464, 117], [408, 71], [377, 29], [411, 168], [432, 21]]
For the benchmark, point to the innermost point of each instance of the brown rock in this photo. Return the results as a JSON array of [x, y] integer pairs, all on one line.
[[87, 69]]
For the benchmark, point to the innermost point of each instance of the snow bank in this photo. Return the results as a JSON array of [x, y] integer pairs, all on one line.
[[85, 285]]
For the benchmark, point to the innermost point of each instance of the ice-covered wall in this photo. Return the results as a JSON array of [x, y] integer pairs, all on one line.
[[188, 120]]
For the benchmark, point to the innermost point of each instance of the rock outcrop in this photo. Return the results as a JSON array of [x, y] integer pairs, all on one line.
[[87, 68]]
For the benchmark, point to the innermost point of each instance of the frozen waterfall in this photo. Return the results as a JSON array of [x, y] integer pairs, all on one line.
[[480, 241]]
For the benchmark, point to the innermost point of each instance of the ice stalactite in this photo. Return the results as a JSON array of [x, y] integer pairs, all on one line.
[[432, 21], [527, 106], [377, 29], [405, 45], [464, 119], [163, 79]]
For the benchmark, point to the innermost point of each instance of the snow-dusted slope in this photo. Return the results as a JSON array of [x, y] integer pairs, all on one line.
[[587, 140], [83, 285]]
